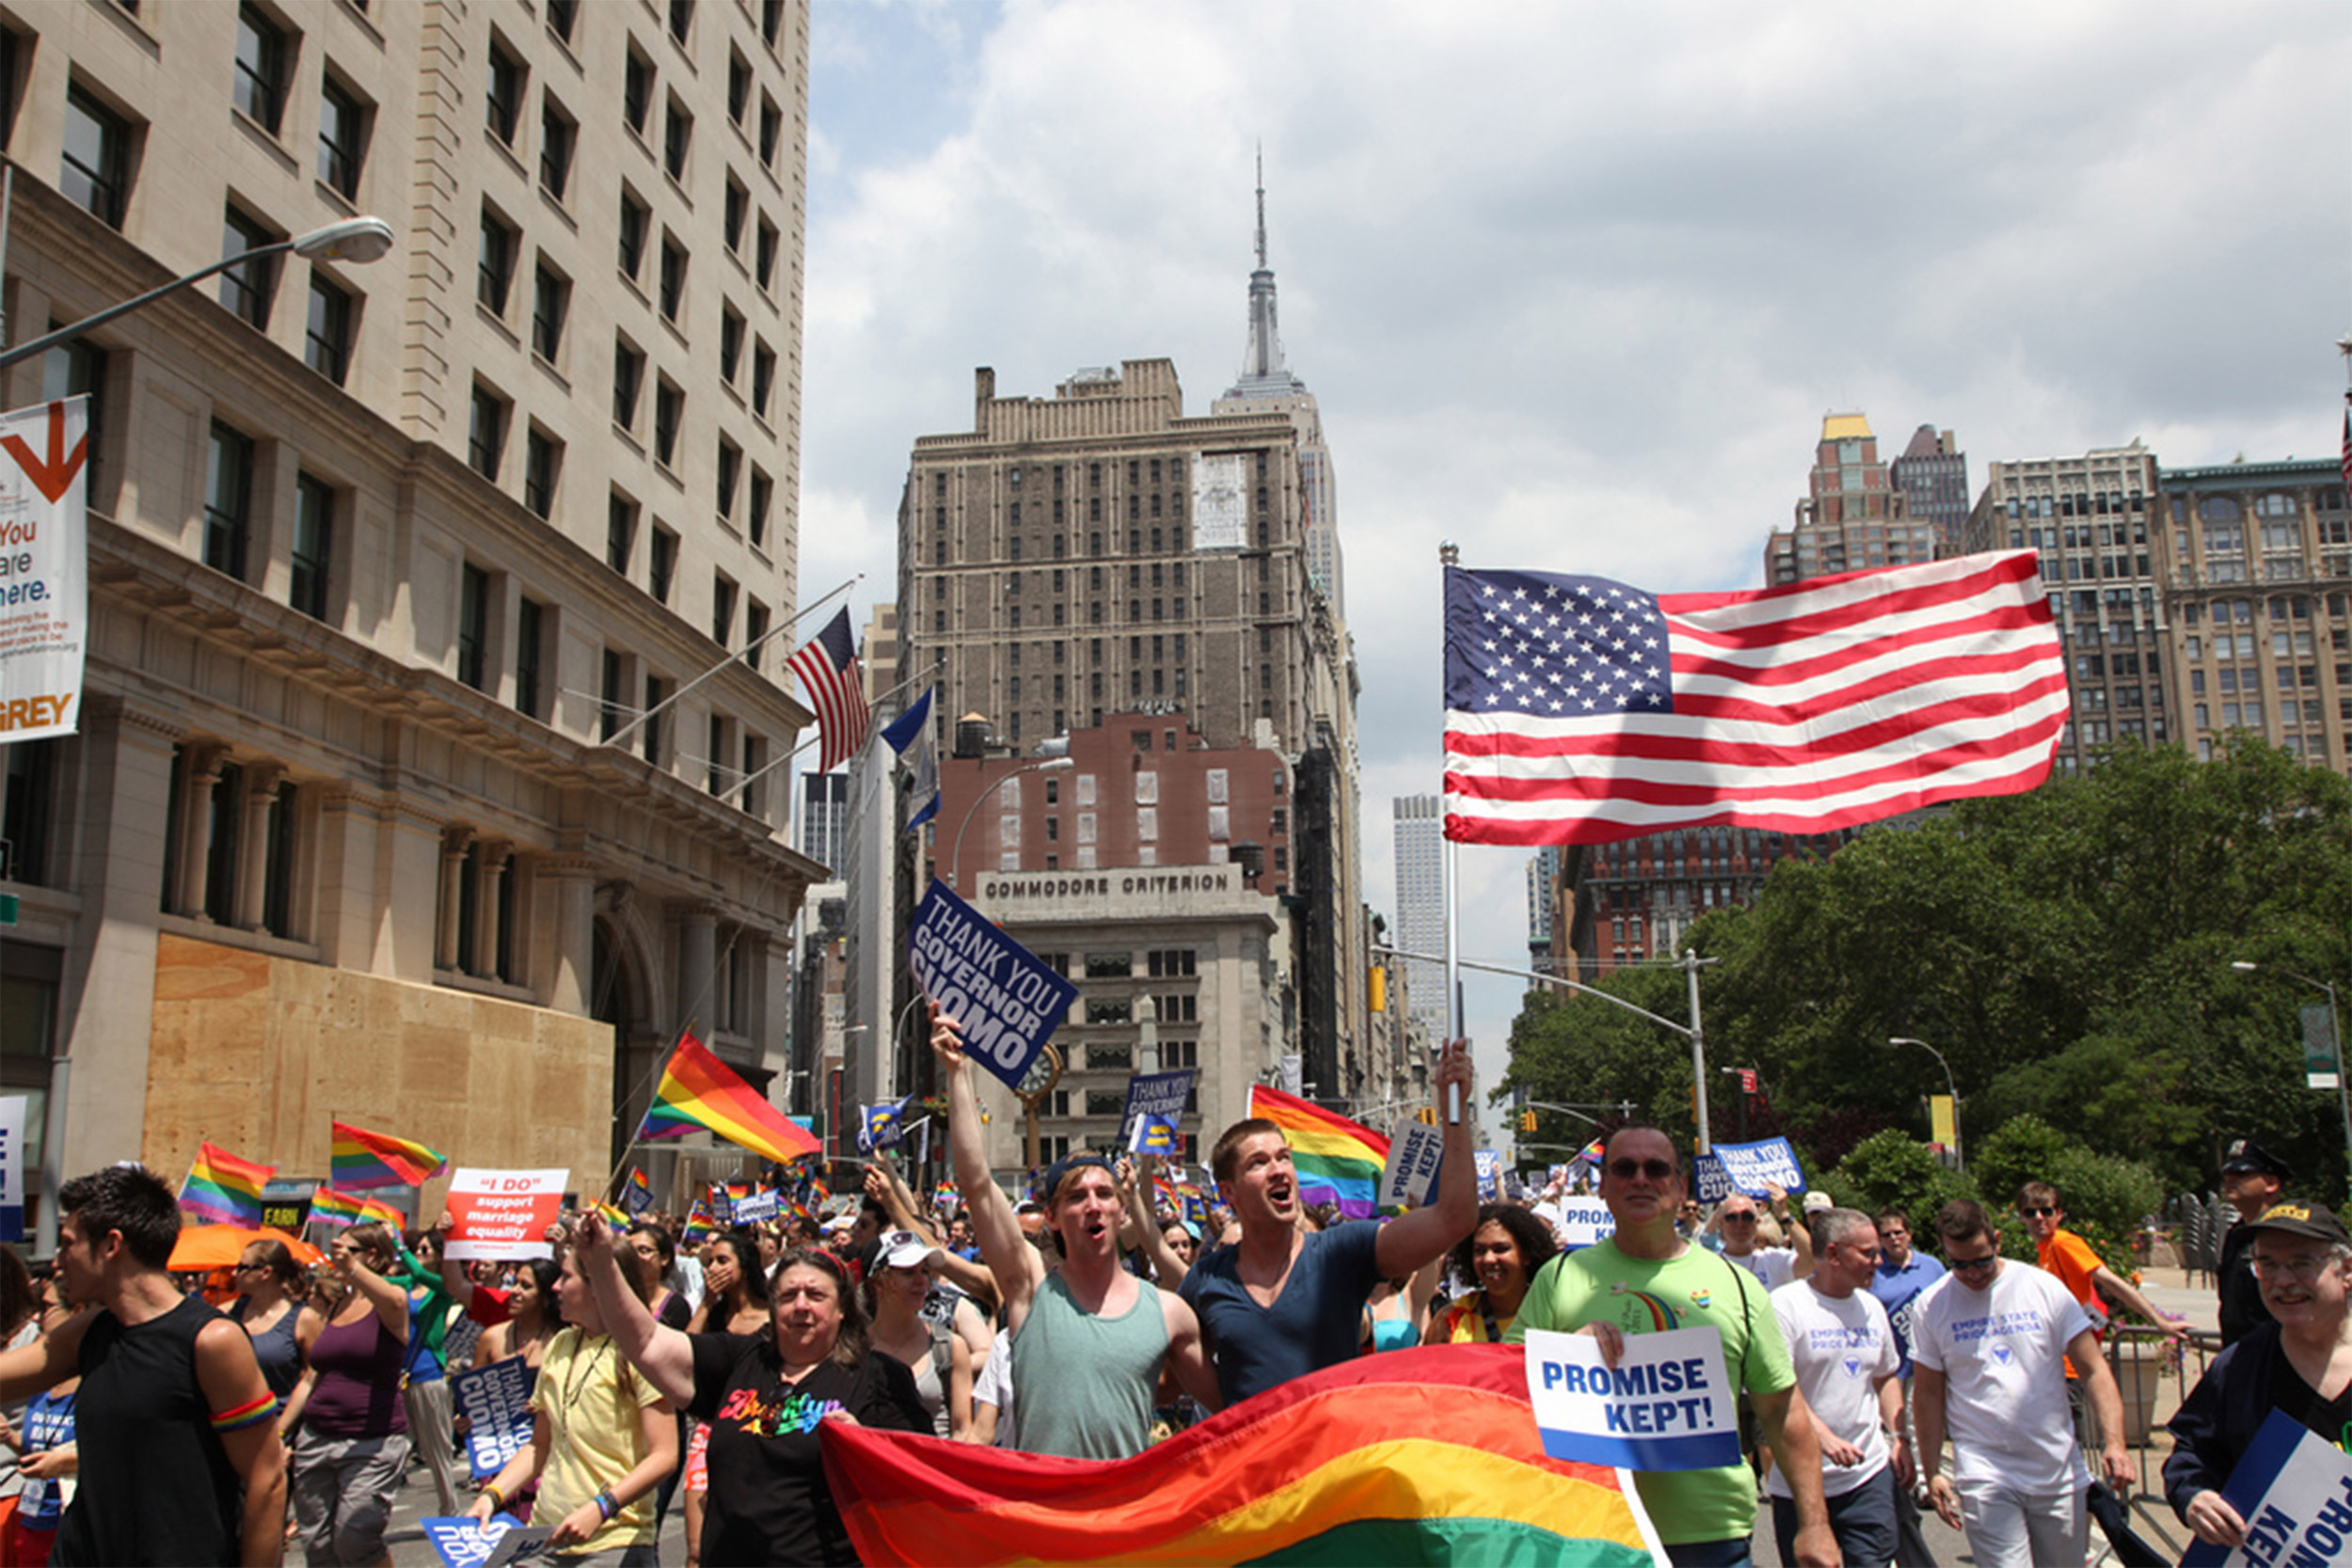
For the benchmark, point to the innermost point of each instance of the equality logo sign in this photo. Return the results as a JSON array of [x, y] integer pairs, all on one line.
[[1009, 1002], [1155, 1097], [45, 568], [1666, 1405]]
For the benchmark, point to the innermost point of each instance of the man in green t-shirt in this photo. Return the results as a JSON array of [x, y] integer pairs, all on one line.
[[1648, 1279]]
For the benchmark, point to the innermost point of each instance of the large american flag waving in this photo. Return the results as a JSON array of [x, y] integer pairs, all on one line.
[[1580, 710]]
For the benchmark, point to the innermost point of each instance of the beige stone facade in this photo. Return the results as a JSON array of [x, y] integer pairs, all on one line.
[[388, 563]]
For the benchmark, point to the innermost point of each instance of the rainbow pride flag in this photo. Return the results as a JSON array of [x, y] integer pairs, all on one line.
[[363, 1159], [700, 1093], [1424, 1455], [614, 1216], [1338, 1162], [636, 1193], [329, 1206], [222, 1189], [699, 1227], [1590, 1152]]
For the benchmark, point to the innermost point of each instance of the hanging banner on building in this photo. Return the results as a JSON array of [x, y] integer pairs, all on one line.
[[496, 1403], [1006, 998], [1666, 1405], [503, 1214], [12, 1117], [2320, 1065], [2293, 1490], [1220, 505], [45, 568], [1154, 1097]]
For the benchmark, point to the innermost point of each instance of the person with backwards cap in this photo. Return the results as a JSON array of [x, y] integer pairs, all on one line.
[[1089, 1339]]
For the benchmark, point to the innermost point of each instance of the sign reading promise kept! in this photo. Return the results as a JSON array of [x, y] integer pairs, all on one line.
[[1008, 1003], [1666, 1405]]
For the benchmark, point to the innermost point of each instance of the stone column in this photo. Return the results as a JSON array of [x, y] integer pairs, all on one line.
[[455, 842], [200, 769], [497, 864], [260, 793], [698, 954], [571, 882]]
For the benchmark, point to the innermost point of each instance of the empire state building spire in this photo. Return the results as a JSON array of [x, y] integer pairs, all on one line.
[[1262, 372]]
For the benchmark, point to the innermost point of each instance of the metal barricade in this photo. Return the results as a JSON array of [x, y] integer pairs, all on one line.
[[2154, 1374]]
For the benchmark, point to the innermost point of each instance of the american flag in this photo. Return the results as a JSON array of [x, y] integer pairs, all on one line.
[[1580, 710], [827, 665]]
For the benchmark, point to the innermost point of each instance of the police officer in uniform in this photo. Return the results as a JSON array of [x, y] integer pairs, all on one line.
[[2251, 1178]]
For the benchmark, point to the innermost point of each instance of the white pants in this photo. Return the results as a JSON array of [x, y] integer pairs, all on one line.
[[2009, 1529]]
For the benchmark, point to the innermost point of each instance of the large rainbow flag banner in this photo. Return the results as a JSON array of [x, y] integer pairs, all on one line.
[[222, 1189], [1338, 1162], [700, 1093], [362, 1159], [329, 1206], [1425, 1455]]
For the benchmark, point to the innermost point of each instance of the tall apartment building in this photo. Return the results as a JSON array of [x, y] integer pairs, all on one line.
[[1931, 477], [1102, 553], [376, 808], [1852, 517], [1419, 833], [2258, 604], [1543, 878], [822, 831]]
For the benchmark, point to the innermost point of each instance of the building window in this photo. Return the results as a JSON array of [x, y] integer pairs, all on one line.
[[771, 20], [763, 262], [343, 138], [260, 87], [493, 276], [550, 301], [473, 624], [636, 220], [313, 545], [649, 736], [661, 564], [738, 204], [739, 86], [542, 461], [681, 19], [754, 763], [723, 594], [72, 368], [504, 102], [678, 139], [247, 288], [669, 413], [326, 335], [730, 474], [730, 345], [485, 435], [96, 171], [559, 134], [771, 129], [673, 279], [563, 18], [28, 787], [609, 697], [620, 532], [228, 500], [763, 377], [763, 499], [628, 380], [530, 632], [755, 632], [637, 92]]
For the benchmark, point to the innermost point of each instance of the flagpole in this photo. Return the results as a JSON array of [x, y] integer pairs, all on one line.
[[617, 736], [1449, 555]]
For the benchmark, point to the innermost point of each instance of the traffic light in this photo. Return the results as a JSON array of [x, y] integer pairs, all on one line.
[[1426, 1116], [1527, 1122]]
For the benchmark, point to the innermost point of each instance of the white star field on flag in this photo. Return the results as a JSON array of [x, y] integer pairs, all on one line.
[[1567, 648]]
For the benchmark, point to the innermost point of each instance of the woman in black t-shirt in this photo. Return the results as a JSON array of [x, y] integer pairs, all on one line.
[[764, 1396]]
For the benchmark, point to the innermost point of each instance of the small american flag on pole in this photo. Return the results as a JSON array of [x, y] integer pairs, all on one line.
[[1580, 710], [827, 665]]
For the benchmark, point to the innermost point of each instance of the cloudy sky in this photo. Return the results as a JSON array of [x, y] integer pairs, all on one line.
[[1574, 284]]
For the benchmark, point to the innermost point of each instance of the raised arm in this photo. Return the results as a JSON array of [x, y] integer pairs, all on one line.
[[387, 1297], [1135, 1184], [665, 1355], [1010, 1258], [1412, 1240]]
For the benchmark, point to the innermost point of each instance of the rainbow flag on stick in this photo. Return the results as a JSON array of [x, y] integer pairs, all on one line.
[[699, 1227], [363, 1159], [1338, 1161], [700, 1093], [222, 1189], [636, 1193], [615, 1217], [1425, 1455], [329, 1206]]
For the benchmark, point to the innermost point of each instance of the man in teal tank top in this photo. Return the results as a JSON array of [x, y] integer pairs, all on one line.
[[1090, 1338]]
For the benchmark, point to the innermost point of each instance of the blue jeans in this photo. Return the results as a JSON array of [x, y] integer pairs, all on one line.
[[1734, 1553], [1863, 1520]]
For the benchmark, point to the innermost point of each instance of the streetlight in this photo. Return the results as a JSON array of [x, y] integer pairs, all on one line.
[[357, 241], [1960, 1161], [2335, 1039], [955, 854]]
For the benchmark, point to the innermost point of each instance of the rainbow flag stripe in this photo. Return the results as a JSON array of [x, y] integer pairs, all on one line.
[[1425, 1455], [329, 1206], [614, 1216], [363, 1159], [221, 1189], [700, 1093], [1338, 1162], [699, 1227]]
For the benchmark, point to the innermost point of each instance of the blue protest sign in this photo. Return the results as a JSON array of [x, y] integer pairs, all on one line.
[[463, 1541], [881, 1126], [1709, 1183], [765, 1204], [1157, 1096], [1006, 1000], [2293, 1490], [1666, 1405], [496, 1402], [1489, 1164], [1749, 1168]]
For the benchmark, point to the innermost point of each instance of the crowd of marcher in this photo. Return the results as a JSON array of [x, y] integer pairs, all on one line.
[[1092, 1320]]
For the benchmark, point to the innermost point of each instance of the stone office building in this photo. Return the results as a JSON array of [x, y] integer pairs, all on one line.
[[379, 808]]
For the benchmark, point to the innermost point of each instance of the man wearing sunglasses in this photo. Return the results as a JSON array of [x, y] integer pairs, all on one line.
[[1646, 1278], [1988, 1347], [2076, 1264]]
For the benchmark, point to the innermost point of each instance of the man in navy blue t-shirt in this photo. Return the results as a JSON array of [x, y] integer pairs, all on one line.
[[1282, 1302]]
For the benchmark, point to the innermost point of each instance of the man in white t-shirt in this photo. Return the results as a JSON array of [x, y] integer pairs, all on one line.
[[1846, 1361], [1988, 1347], [1735, 1218]]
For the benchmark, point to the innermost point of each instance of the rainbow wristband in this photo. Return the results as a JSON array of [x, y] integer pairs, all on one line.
[[252, 1413]]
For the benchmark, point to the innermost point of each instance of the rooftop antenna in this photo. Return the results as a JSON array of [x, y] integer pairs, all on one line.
[[1261, 206]]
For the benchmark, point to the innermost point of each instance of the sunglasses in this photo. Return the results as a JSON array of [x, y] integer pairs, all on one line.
[[1656, 1170], [1970, 1265], [1740, 1219], [2037, 1214]]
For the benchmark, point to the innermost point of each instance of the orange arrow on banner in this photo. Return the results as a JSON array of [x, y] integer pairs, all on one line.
[[51, 478]]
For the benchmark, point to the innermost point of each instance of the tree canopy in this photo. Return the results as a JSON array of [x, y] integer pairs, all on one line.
[[2069, 952]]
